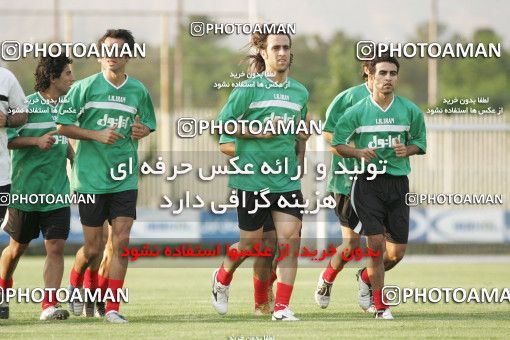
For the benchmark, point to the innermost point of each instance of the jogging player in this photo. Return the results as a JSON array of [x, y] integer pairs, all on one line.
[[39, 167], [390, 128], [112, 111], [264, 268], [266, 97], [340, 186]]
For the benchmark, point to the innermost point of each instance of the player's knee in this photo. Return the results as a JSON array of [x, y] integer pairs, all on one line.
[[17, 249], [54, 248], [395, 257], [390, 262], [269, 243], [55, 253], [262, 267], [290, 234], [120, 238], [350, 244], [91, 251], [354, 242], [249, 243]]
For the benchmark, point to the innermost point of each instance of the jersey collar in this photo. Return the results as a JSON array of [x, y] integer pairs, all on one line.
[[368, 89], [286, 82], [380, 108], [54, 107], [116, 87]]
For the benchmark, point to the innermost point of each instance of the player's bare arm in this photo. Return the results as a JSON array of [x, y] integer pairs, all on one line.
[[305, 135], [45, 142], [347, 151], [70, 153], [228, 149], [402, 150], [105, 136], [3, 119], [328, 136], [16, 120], [300, 151]]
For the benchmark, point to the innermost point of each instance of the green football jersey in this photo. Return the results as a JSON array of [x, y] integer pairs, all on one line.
[[341, 184], [261, 99], [369, 126], [36, 171], [96, 104]]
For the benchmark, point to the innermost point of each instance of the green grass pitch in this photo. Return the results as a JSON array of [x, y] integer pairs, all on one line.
[[175, 303]]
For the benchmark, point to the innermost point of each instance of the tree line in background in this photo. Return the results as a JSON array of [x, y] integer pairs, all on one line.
[[325, 66]]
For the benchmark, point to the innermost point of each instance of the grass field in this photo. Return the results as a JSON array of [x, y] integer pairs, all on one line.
[[175, 303]]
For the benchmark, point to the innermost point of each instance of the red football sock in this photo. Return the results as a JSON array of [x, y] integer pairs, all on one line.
[[224, 277], [90, 278], [364, 276], [283, 293], [113, 285], [273, 278], [102, 283], [76, 278], [52, 295], [5, 284], [378, 303], [261, 289], [330, 273]]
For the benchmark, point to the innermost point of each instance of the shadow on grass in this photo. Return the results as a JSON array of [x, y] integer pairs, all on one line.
[[327, 317], [319, 316]]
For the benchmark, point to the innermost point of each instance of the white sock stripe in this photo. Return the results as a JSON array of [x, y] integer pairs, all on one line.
[[359, 226], [4, 222]]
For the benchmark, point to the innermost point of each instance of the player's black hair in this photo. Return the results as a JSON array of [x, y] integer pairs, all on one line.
[[255, 61], [384, 57], [366, 63], [119, 33], [49, 68]]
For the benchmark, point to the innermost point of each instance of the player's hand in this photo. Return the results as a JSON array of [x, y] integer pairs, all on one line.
[[307, 134], [108, 135], [138, 130], [46, 141], [400, 149], [367, 154], [3, 119], [269, 134], [301, 159]]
